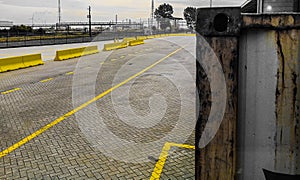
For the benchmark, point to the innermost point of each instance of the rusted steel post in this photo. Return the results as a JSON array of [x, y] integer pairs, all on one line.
[[217, 77], [269, 98]]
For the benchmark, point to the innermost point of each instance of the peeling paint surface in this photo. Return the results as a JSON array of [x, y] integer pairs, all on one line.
[[271, 21], [287, 102], [260, 129], [217, 160]]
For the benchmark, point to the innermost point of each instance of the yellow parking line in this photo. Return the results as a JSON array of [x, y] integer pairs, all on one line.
[[163, 158], [10, 91], [122, 57], [102, 63], [69, 73], [112, 60], [46, 80], [58, 120]]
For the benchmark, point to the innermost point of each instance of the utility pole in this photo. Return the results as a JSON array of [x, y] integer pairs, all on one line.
[[116, 22], [90, 21], [32, 19], [151, 15], [59, 12], [211, 4]]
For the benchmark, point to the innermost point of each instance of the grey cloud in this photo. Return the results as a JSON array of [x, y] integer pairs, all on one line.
[[198, 3], [43, 3]]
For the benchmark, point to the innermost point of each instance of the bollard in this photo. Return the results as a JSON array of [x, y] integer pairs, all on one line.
[[219, 28]]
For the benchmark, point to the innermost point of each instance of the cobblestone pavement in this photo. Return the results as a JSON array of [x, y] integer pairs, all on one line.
[[121, 134]]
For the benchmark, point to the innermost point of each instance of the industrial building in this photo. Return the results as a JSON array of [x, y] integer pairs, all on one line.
[[271, 6]]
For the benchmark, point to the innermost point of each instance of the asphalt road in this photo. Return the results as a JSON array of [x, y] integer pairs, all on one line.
[[123, 114]]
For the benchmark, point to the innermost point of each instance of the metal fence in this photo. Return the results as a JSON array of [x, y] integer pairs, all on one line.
[[40, 40]]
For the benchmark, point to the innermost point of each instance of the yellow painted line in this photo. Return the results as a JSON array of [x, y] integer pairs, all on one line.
[[163, 158], [58, 120], [10, 91], [69, 73], [46, 80], [122, 57], [112, 60], [102, 63]]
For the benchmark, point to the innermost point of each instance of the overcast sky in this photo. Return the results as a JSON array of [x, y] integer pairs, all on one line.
[[45, 11]]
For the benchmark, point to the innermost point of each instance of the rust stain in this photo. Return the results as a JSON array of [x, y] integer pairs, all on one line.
[[218, 159], [272, 21], [287, 101]]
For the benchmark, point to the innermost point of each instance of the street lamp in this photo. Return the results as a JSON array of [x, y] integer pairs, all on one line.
[[90, 21]]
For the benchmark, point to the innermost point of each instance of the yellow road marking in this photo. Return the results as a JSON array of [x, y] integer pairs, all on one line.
[[69, 73], [112, 60], [102, 63], [58, 120], [122, 57], [10, 91], [46, 80], [163, 158]]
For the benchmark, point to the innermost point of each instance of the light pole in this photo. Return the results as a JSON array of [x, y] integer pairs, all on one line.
[[59, 12], [90, 21], [210, 4]]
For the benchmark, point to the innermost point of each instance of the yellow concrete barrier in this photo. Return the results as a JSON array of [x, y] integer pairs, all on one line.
[[136, 42], [75, 52], [113, 46], [127, 39], [11, 63], [18, 62], [150, 37], [182, 34], [90, 50], [141, 37], [32, 60]]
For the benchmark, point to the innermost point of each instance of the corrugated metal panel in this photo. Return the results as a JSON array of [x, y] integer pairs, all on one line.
[[278, 5]]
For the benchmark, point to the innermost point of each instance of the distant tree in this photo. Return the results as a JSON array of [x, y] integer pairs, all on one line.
[[164, 11], [163, 14], [190, 16], [165, 23], [21, 28], [40, 31]]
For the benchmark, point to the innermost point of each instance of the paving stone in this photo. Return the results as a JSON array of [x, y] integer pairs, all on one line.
[[64, 151]]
